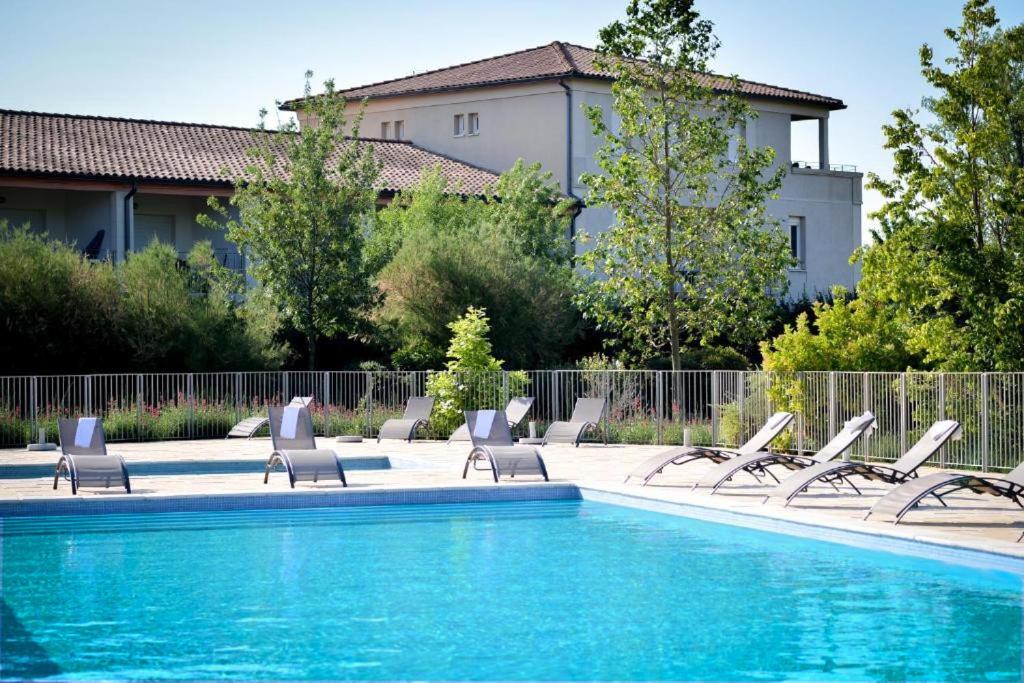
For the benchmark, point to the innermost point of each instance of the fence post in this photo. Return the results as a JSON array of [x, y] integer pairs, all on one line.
[[800, 420], [984, 422], [741, 390], [138, 407], [238, 397], [555, 397], [942, 414], [903, 413], [33, 397], [608, 398], [659, 390], [504, 387], [831, 404], [715, 395], [327, 403], [284, 387], [88, 394], [191, 398], [369, 404], [866, 405]]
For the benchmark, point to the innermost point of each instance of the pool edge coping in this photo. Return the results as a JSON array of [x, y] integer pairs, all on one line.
[[916, 546]]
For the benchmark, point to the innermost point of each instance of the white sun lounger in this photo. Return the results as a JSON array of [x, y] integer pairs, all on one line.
[[757, 464], [898, 472], [685, 454]]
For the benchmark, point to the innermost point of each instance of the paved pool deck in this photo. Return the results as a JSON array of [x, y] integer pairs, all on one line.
[[971, 522]]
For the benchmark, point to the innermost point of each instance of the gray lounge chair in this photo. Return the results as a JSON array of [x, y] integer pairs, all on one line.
[[757, 464], [248, 427], [902, 499], [492, 443], [586, 414], [515, 411], [684, 454], [417, 414], [84, 460], [291, 431], [898, 472]]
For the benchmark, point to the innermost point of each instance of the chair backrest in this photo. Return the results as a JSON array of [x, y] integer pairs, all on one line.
[[927, 446], [517, 409], [588, 410], [82, 436], [771, 429], [419, 408], [301, 401], [852, 430], [488, 428], [291, 428], [1016, 475]]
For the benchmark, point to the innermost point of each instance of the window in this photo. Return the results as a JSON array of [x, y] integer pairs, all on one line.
[[459, 125], [399, 130], [474, 124], [797, 246], [385, 130]]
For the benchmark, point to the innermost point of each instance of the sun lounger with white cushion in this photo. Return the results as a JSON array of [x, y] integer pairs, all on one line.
[[516, 411], [84, 460], [291, 431], [248, 427], [493, 445]]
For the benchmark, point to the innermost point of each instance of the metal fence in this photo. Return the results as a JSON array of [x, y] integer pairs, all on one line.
[[644, 406]]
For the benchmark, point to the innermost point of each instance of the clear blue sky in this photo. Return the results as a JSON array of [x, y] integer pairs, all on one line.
[[220, 62]]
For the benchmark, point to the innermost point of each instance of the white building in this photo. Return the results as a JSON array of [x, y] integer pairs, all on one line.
[[527, 105]]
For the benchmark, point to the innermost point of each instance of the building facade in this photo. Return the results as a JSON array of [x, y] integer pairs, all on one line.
[[529, 105]]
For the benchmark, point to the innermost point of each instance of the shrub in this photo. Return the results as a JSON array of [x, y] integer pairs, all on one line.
[[64, 313], [473, 378]]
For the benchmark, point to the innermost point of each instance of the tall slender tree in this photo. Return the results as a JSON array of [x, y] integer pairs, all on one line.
[[693, 254], [303, 206]]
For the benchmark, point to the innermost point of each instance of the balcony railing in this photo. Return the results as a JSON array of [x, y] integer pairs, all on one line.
[[816, 166], [229, 258]]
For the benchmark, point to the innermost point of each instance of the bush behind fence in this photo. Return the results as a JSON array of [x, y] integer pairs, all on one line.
[[644, 406]]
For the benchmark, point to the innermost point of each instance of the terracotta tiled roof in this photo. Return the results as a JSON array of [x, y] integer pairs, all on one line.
[[555, 60], [157, 151]]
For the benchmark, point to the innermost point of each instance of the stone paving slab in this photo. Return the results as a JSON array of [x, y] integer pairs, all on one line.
[[979, 522]]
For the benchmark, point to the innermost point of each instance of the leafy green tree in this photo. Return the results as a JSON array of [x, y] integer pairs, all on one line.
[[304, 204], [948, 261], [439, 253], [693, 254], [472, 379]]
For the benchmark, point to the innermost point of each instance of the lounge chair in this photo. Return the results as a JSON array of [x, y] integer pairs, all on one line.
[[586, 414], [492, 443], [901, 500], [248, 427], [291, 432], [84, 460], [898, 472], [417, 414], [515, 411], [684, 454], [758, 463]]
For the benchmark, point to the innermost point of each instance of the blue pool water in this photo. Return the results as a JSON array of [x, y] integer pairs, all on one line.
[[544, 590]]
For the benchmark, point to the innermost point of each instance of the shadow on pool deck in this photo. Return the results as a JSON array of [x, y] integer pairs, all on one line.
[[20, 655]]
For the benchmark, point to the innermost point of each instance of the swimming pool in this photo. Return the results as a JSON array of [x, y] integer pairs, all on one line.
[[524, 590]]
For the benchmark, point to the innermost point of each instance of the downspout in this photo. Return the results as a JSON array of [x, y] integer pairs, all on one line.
[[129, 218], [568, 164]]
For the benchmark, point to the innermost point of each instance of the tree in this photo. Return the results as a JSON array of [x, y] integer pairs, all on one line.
[[948, 259], [472, 378], [438, 253], [692, 255], [304, 205]]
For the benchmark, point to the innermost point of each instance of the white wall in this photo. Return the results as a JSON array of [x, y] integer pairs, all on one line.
[[72, 216], [521, 121], [529, 121]]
